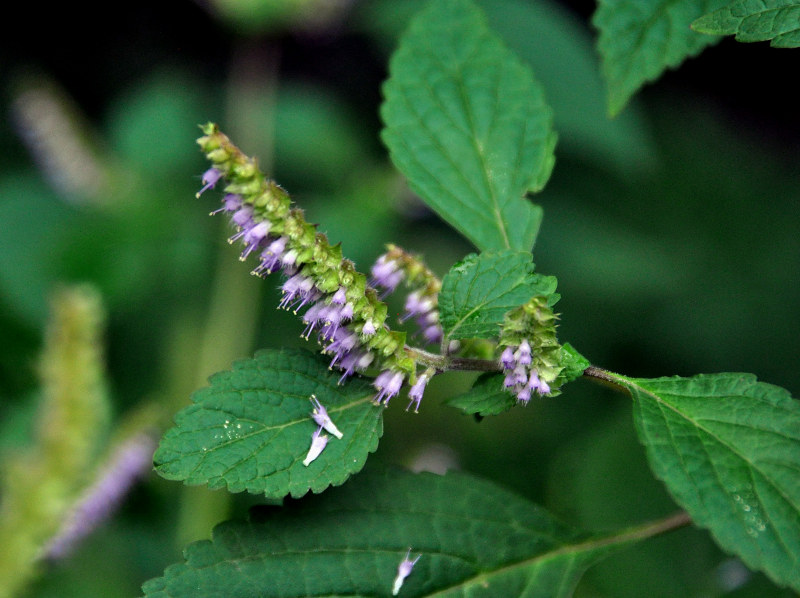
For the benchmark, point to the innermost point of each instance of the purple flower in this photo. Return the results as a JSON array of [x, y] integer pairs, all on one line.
[[209, 179], [523, 353], [297, 291], [386, 273], [507, 358], [230, 203], [403, 571], [416, 391], [388, 384], [318, 444], [320, 415], [521, 378], [271, 257], [353, 362]]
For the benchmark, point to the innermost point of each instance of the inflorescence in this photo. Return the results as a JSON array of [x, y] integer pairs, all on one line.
[[339, 305]]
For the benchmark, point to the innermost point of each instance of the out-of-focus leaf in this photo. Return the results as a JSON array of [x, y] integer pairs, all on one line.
[[251, 428], [468, 126], [640, 39], [34, 222], [776, 21], [150, 123], [560, 49], [474, 539]]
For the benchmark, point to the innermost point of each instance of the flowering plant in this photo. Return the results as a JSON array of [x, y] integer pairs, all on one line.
[[466, 349], [467, 125]]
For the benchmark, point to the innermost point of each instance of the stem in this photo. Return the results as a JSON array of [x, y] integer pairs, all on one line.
[[443, 363], [605, 377]]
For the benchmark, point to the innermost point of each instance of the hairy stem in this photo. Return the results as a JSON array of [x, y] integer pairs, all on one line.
[[605, 377], [444, 363]]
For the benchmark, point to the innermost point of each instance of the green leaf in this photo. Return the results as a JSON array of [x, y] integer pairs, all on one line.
[[474, 539], [573, 363], [640, 39], [486, 397], [755, 21], [479, 290], [728, 449], [468, 126], [251, 428]]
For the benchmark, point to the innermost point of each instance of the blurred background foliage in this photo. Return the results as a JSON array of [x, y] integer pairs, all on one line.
[[671, 229]]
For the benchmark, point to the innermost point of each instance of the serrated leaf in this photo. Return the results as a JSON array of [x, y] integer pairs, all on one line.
[[479, 290], [474, 539], [755, 21], [251, 428], [640, 39], [728, 449], [468, 126], [486, 397]]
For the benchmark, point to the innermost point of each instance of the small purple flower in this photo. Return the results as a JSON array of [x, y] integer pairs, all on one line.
[[271, 257], [403, 571], [318, 443], [243, 217], [353, 362], [521, 378], [388, 384], [368, 329], [416, 391], [209, 179], [253, 237], [507, 358], [230, 203], [297, 291], [339, 297], [386, 273], [320, 415], [523, 353]]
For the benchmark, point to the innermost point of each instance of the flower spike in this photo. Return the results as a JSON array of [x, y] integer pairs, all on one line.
[[339, 307]]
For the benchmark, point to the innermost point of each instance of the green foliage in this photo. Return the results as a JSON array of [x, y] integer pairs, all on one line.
[[251, 428], [726, 447], [468, 126], [479, 290], [639, 39], [486, 397], [474, 537], [755, 21]]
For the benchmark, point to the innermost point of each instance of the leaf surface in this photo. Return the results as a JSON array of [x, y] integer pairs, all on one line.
[[777, 21], [486, 397], [728, 449], [474, 538], [640, 39], [479, 290], [251, 428], [468, 126]]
